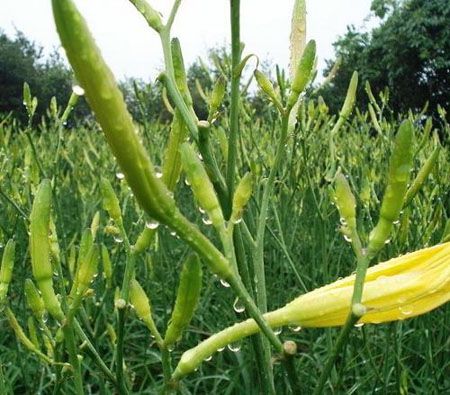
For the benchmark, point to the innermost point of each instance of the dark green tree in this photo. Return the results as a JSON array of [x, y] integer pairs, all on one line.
[[409, 53]]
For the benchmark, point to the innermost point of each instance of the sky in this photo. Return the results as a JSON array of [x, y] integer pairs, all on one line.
[[132, 49]]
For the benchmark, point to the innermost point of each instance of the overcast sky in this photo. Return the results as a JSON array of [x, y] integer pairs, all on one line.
[[133, 50]]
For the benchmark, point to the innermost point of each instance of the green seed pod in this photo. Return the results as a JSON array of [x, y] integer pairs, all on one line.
[[152, 16], [6, 269], [345, 201], [172, 164], [187, 299], [95, 224], [34, 300], [22, 337], [40, 248], [72, 260], [371, 97], [54, 245], [201, 184], [394, 195], [140, 300], [110, 202], [241, 196], [87, 270], [180, 71], [422, 176], [33, 332], [350, 98], [106, 101], [144, 240], [107, 266], [141, 303], [303, 73], [267, 87], [111, 333], [217, 96]]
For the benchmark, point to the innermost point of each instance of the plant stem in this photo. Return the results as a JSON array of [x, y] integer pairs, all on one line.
[[234, 106], [352, 319]]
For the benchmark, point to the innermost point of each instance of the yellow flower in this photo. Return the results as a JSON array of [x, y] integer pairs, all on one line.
[[397, 289]]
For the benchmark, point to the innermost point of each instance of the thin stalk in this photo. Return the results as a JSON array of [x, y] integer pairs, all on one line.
[[352, 319], [73, 358], [172, 15], [234, 105]]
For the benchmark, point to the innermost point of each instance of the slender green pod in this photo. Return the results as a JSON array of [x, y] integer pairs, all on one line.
[[303, 73], [241, 196], [87, 270], [34, 300], [180, 71], [397, 183], [108, 104], [54, 245], [110, 202], [40, 248], [23, 338], [6, 269], [350, 98], [216, 97], [371, 97], [144, 240], [142, 306], [345, 201], [152, 16], [107, 266], [187, 299], [32, 331], [422, 176], [267, 87], [95, 224], [201, 185], [172, 164]]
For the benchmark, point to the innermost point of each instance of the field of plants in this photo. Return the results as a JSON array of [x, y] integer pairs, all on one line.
[[131, 251]]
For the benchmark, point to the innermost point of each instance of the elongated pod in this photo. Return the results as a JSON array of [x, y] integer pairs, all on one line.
[[109, 107], [40, 248], [187, 299], [108, 104], [6, 269], [394, 195]]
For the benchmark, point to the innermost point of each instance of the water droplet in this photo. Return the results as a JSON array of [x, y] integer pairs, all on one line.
[[201, 210], [297, 328], [359, 325], [186, 181], [396, 222], [221, 349], [173, 233], [208, 358], [343, 221], [118, 239], [152, 224], [278, 331], [120, 176], [387, 241], [238, 306], [234, 347], [200, 156], [206, 221], [78, 90], [224, 283], [158, 174], [347, 239], [406, 310], [237, 221]]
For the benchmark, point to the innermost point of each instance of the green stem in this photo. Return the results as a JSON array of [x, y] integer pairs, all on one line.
[[73, 357], [352, 319], [234, 106]]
